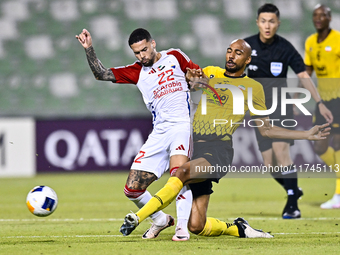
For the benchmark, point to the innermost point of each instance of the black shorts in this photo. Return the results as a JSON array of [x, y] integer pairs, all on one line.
[[220, 155], [265, 143], [333, 105]]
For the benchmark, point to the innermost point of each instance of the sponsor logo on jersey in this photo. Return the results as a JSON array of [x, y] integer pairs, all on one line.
[[173, 66], [213, 96], [321, 70], [328, 48], [167, 88], [254, 53], [276, 68]]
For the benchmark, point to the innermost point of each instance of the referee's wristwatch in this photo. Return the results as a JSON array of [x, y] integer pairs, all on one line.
[[320, 102]]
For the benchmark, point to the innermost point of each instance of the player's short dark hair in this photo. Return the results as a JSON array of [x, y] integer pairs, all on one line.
[[328, 10], [269, 8], [139, 35]]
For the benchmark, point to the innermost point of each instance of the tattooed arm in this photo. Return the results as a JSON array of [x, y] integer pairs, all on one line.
[[98, 70]]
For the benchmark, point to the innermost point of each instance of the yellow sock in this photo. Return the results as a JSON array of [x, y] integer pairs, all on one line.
[[337, 186], [215, 227], [162, 198], [337, 161], [232, 230], [328, 157]]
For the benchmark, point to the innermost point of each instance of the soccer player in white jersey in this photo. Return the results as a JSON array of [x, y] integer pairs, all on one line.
[[160, 77]]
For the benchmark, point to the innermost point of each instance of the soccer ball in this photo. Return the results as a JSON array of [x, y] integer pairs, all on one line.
[[42, 201]]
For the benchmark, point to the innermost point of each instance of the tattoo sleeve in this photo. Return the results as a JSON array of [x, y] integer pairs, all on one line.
[[98, 70]]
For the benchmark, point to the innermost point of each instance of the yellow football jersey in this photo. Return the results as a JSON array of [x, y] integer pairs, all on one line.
[[219, 121], [325, 59]]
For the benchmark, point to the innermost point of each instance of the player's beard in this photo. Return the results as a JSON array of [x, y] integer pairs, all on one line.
[[151, 60], [233, 69]]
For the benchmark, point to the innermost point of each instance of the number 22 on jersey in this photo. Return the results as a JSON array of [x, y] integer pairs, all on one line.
[[168, 78]]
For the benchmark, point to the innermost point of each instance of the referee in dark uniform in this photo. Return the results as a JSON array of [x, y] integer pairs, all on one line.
[[271, 56]]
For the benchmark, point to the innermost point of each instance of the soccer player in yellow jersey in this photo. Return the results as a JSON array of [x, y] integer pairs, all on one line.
[[213, 145], [322, 55]]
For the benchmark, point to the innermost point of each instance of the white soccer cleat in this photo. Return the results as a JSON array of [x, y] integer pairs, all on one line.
[[130, 223], [154, 230], [246, 231], [333, 203], [181, 235]]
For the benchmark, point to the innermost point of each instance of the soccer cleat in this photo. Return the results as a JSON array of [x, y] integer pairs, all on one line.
[[130, 223], [181, 235], [333, 203], [291, 215], [246, 231], [154, 230]]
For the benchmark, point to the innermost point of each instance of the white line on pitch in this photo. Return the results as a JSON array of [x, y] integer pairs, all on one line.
[[121, 219], [59, 220], [276, 218], [75, 236], [100, 236], [311, 233]]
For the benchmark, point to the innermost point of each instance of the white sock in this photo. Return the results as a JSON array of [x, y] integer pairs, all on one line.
[[337, 197], [183, 206], [159, 218]]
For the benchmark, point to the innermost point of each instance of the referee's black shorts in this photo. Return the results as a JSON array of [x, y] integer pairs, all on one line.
[[220, 155], [334, 106], [279, 120]]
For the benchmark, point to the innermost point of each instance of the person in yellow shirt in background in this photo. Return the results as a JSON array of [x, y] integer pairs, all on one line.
[[322, 55]]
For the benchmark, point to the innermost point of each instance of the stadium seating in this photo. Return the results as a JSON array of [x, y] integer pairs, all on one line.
[[44, 72]]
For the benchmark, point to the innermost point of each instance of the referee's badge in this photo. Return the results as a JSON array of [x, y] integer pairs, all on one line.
[[276, 68]]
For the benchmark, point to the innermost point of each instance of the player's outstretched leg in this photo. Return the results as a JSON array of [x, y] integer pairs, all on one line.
[[162, 199], [239, 228], [154, 230], [246, 231]]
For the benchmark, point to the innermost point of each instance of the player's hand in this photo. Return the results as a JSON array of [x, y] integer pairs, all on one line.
[[196, 78], [318, 132], [193, 73], [326, 113], [85, 38]]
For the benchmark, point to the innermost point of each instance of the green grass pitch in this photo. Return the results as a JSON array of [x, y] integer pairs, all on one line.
[[92, 207]]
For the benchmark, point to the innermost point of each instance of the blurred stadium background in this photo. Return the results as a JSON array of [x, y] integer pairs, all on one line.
[[44, 74]]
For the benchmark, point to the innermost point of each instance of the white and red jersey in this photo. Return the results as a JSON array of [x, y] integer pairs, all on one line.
[[163, 86]]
